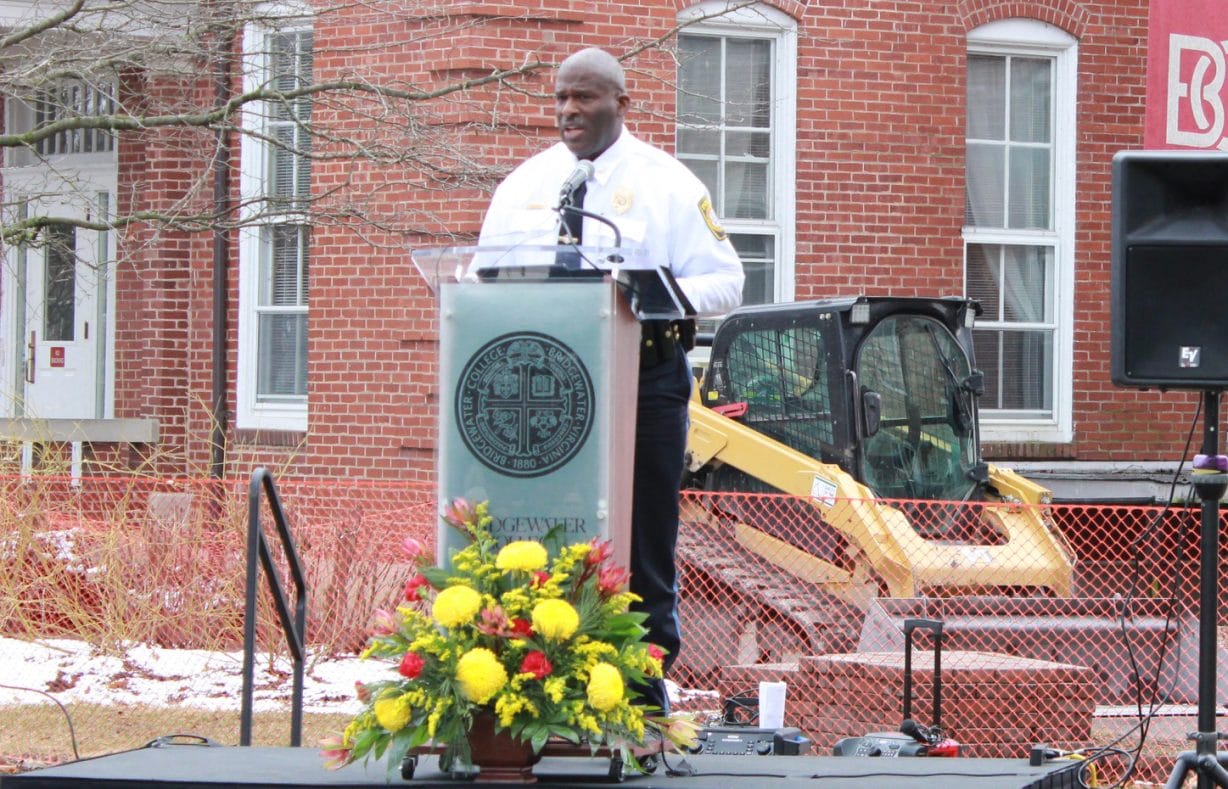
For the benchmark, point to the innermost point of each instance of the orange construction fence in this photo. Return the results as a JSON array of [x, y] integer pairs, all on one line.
[[1076, 626]]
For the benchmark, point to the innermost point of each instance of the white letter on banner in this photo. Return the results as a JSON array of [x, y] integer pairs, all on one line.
[[1202, 94]]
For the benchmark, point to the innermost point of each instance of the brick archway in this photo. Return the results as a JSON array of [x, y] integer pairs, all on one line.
[[794, 8], [1069, 15]]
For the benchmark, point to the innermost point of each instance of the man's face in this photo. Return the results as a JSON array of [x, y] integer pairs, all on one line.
[[589, 110]]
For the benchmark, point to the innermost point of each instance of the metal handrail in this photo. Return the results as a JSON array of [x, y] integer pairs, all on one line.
[[296, 628]]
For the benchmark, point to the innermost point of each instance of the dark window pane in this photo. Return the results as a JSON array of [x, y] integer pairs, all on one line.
[[60, 284], [283, 355], [758, 254], [984, 279]]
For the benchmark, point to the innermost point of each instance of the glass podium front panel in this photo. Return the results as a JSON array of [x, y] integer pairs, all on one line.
[[532, 411]]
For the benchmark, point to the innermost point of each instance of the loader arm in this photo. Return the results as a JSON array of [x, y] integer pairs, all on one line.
[[1030, 555]]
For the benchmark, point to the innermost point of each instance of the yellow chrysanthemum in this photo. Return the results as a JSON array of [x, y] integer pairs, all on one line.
[[524, 555], [605, 687], [480, 675], [555, 620], [392, 713], [456, 605]]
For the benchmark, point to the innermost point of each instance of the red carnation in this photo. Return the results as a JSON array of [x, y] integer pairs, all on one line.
[[522, 628], [413, 589], [412, 665], [537, 664], [540, 579], [656, 653]]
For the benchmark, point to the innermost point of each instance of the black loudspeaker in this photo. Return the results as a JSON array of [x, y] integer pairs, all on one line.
[[1169, 303]]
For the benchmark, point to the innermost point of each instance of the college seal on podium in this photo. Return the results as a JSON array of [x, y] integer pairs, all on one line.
[[524, 404]]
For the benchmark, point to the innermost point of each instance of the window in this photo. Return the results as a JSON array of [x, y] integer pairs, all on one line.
[[60, 283], [68, 99], [924, 447], [735, 130], [75, 100], [275, 245], [1019, 224]]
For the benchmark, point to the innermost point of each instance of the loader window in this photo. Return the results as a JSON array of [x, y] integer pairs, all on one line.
[[781, 374], [925, 444]]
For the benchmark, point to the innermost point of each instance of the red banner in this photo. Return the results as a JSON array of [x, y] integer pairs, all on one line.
[[1186, 70]]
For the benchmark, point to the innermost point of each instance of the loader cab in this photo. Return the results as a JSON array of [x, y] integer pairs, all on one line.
[[883, 387], [917, 390]]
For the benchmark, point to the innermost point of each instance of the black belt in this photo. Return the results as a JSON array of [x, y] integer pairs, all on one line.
[[659, 340]]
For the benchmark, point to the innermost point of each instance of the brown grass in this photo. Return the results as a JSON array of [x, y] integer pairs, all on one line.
[[44, 736]]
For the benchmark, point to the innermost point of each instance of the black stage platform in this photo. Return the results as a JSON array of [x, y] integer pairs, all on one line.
[[208, 767]]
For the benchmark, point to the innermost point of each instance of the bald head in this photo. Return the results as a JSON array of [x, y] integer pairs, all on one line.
[[597, 63], [590, 100]]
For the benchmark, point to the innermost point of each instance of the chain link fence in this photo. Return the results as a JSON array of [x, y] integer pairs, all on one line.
[[1076, 626]]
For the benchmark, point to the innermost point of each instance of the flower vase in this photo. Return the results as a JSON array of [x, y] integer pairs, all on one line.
[[500, 757]]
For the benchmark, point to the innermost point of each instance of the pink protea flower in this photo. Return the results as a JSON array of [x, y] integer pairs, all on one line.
[[413, 548], [335, 752], [458, 513], [384, 622], [611, 580], [493, 622], [601, 550]]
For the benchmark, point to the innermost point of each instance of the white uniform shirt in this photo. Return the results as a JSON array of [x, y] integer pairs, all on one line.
[[656, 202]]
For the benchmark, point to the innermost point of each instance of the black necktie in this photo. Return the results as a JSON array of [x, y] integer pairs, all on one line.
[[574, 222]]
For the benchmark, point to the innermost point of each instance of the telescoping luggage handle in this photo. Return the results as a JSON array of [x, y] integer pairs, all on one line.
[[935, 626]]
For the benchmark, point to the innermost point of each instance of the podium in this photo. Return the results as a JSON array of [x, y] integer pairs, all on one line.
[[538, 380]]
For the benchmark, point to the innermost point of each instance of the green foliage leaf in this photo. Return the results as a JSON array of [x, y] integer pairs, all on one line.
[[437, 576], [400, 744]]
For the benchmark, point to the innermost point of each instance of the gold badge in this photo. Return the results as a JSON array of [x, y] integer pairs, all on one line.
[[709, 215], [622, 200]]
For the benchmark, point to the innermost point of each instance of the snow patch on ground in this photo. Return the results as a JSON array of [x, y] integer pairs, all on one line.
[[73, 672]]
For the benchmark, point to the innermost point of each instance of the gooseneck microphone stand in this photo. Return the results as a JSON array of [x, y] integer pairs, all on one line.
[[1210, 480], [567, 208]]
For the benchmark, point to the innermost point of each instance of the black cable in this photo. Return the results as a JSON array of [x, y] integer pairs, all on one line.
[[72, 731], [1145, 719], [945, 774]]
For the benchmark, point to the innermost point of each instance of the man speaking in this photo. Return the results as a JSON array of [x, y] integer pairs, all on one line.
[[659, 206]]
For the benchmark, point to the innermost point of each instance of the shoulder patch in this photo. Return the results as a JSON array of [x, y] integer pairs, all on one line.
[[709, 214]]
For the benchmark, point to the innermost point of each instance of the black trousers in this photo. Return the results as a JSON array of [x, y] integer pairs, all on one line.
[[660, 448]]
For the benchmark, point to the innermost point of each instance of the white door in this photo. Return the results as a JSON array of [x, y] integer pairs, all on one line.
[[65, 278]]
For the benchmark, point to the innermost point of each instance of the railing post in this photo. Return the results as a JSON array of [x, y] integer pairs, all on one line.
[[295, 628]]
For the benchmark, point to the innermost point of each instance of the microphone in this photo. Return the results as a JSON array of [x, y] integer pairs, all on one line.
[[584, 171]]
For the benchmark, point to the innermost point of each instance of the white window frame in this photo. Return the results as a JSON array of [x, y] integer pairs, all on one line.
[[1030, 37], [250, 412], [763, 21]]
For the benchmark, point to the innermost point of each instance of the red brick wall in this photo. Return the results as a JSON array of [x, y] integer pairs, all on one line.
[[157, 321], [879, 205]]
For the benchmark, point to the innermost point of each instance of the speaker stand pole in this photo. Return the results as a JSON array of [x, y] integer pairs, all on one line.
[[1210, 479]]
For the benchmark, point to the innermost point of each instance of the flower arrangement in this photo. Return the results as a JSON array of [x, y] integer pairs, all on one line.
[[540, 637]]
